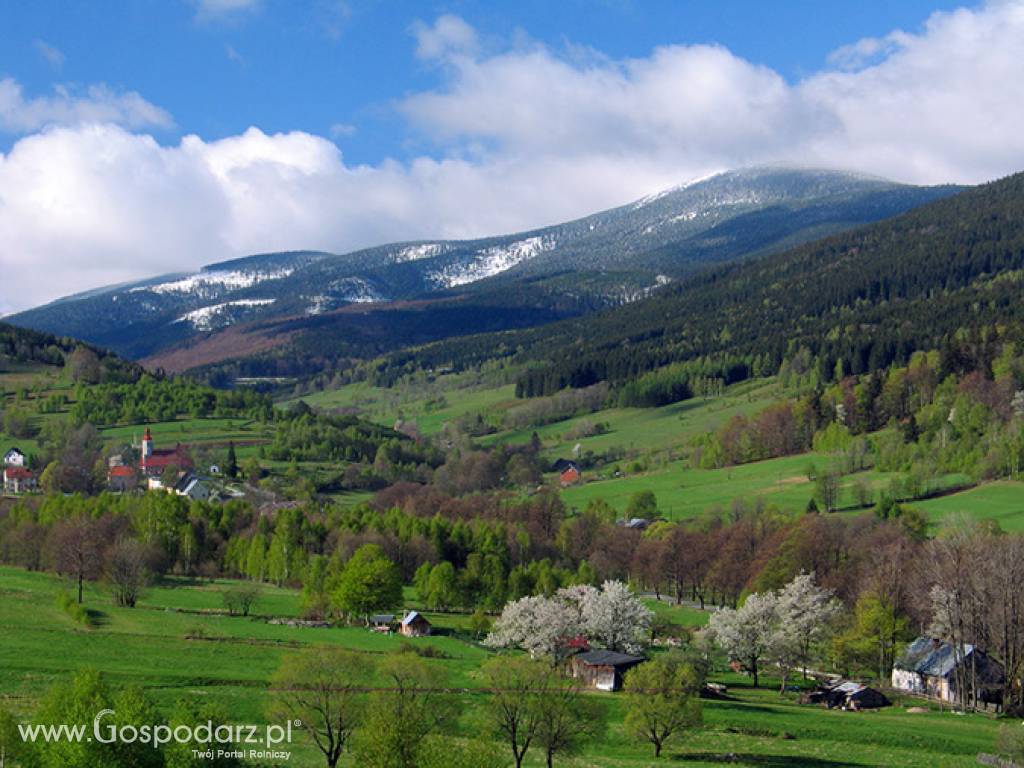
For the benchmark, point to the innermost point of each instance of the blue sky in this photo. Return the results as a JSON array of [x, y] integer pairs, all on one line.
[[325, 64], [140, 138]]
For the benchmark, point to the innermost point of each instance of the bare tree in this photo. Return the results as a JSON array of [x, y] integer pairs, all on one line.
[[76, 551], [126, 570], [324, 688]]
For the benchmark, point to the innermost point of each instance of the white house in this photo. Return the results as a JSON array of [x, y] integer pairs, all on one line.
[[928, 667], [14, 458]]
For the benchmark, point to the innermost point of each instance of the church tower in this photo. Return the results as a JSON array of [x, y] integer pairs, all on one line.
[[147, 445]]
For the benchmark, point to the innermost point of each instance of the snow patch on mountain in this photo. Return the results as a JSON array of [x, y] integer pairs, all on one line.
[[417, 252], [214, 281], [491, 261], [203, 319]]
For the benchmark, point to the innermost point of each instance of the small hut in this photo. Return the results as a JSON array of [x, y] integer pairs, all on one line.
[[601, 669], [382, 622], [414, 625], [847, 695]]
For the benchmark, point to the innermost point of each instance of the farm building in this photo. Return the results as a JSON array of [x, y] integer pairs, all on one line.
[[14, 458], [414, 625], [929, 667], [193, 486], [382, 622], [602, 670], [18, 480], [121, 478], [847, 694]]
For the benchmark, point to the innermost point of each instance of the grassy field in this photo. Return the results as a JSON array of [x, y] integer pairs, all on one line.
[[443, 403], [1001, 502], [649, 430], [175, 646]]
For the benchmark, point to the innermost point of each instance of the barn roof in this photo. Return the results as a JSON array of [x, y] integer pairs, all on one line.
[[412, 616], [382, 618], [602, 658], [928, 657]]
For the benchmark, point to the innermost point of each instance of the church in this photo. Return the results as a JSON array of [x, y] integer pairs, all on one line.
[[153, 461]]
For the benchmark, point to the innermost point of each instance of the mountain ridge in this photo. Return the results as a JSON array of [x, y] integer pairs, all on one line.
[[612, 256]]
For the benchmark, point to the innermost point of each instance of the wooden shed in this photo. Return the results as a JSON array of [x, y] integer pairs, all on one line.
[[414, 625], [602, 670]]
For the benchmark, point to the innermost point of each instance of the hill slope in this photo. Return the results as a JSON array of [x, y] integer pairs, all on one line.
[[512, 280], [929, 279]]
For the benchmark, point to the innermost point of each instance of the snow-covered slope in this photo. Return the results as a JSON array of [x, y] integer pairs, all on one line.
[[632, 249]]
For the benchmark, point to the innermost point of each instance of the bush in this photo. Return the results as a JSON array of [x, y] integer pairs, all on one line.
[[240, 600], [67, 603]]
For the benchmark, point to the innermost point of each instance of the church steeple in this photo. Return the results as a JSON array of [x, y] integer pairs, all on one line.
[[147, 445]]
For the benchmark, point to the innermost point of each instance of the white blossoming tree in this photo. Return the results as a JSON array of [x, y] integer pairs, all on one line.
[[538, 625], [611, 617], [748, 633], [806, 615], [614, 618]]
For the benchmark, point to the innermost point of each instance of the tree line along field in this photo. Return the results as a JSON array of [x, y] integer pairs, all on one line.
[[177, 643]]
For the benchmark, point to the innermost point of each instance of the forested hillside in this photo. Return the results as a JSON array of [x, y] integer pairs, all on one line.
[[934, 278]]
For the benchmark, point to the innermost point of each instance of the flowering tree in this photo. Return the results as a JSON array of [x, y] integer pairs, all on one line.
[[747, 633], [611, 617], [806, 613], [538, 625], [615, 618]]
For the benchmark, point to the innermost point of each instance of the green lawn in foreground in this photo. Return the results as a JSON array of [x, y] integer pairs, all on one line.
[[229, 659]]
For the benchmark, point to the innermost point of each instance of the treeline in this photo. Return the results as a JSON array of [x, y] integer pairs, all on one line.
[[958, 410], [22, 345], [152, 399]]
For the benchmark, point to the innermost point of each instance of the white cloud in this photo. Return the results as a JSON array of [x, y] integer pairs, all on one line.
[[526, 137], [98, 104], [54, 56], [207, 10], [448, 35]]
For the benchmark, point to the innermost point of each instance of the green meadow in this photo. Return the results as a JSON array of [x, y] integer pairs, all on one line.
[[178, 644]]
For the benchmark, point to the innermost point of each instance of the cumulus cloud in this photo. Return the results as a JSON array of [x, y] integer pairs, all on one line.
[[98, 104], [521, 137], [448, 35]]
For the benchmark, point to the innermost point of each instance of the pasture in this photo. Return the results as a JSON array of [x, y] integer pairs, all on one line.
[[177, 644]]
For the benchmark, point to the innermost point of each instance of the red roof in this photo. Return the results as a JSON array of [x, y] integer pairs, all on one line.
[[121, 471], [17, 473]]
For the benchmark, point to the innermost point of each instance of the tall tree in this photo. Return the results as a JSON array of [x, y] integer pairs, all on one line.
[[369, 583], [325, 689], [663, 698]]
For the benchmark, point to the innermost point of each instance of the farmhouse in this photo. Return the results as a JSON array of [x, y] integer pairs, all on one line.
[[414, 625], [929, 667], [18, 480], [153, 462], [382, 622], [193, 486], [569, 472], [848, 695], [602, 670], [14, 458], [121, 478]]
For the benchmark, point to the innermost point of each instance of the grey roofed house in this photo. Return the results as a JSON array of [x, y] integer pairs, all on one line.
[[847, 694], [379, 619], [193, 486], [602, 669], [928, 666]]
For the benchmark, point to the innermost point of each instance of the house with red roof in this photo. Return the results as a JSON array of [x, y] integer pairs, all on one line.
[[18, 480]]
